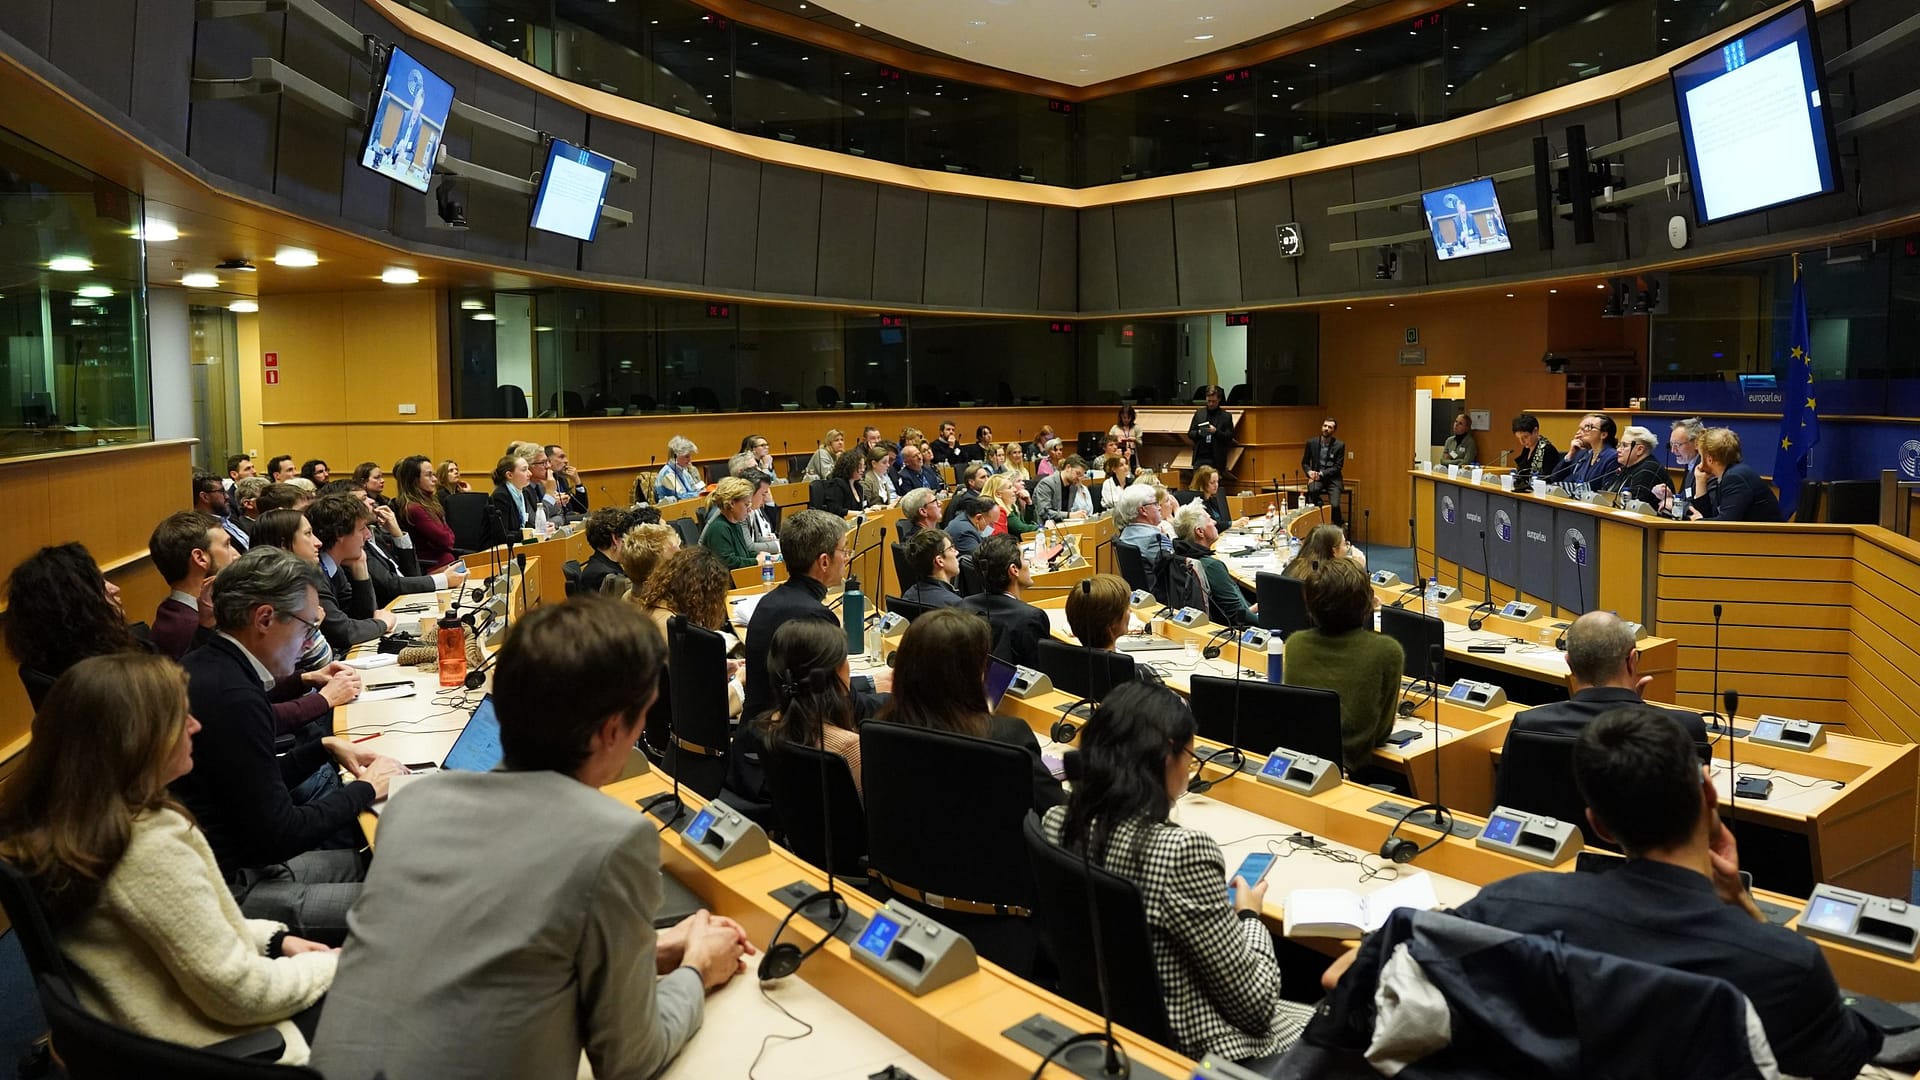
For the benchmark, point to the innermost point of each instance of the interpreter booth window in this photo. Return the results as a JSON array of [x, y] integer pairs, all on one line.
[[958, 362], [73, 315]]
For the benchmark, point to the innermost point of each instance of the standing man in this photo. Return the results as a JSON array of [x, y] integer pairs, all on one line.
[[1211, 432], [1459, 448], [1322, 460], [1684, 441], [569, 492]]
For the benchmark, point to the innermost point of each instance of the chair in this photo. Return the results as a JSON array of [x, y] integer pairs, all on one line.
[[1536, 775], [906, 609], [643, 487], [943, 833], [826, 396], [1239, 395], [511, 401], [697, 670], [1809, 509], [1283, 602], [972, 582], [571, 571], [1131, 566], [467, 516], [1084, 672], [902, 570], [1853, 502], [799, 778], [1062, 882], [688, 529], [1418, 634], [1299, 718]]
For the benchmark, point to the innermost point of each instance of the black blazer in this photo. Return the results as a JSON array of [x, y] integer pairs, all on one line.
[[1638, 480], [1310, 459], [346, 610], [1568, 718], [503, 517], [835, 496], [1018, 626], [1211, 451], [1741, 495], [595, 570], [397, 578]]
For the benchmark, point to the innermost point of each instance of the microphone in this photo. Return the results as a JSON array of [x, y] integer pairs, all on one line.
[[1366, 526], [1712, 719], [1732, 702], [1198, 786], [1475, 620], [1117, 1064], [1579, 589], [782, 960]]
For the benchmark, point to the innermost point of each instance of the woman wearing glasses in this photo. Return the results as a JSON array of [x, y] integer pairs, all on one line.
[[1593, 455]]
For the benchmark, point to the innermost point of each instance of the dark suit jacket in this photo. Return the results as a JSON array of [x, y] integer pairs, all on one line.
[[595, 570], [965, 537], [1310, 459], [238, 790], [931, 593], [177, 631], [502, 517], [346, 610], [398, 578], [1047, 791], [1638, 480], [571, 499], [1741, 495], [834, 496], [1017, 626], [1211, 451], [1568, 718]]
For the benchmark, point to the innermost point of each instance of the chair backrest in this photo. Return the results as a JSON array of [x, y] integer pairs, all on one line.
[[1132, 566], [1302, 524], [902, 569], [1809, 509], [570, 570], [1536, 775], [615, 585], [1283, 602], [511, 401], [1186, 585], [30, 923], [944, 812], [92, 1049], [1853, 502], [467, 516], [697, 671], [972, 582], [1417, 632], [1062, 881], [688, 529], [798, 779], [1297, 717], [1088, 673], [906, 609]]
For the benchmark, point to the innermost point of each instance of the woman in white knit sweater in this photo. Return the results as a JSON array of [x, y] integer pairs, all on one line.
[[153, 938]]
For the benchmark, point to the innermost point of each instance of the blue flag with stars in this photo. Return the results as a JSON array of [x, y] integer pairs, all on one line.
[[1799, 417]]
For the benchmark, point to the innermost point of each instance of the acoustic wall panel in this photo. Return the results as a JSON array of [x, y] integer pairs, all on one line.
[[956, 250], [787, 257], [677, 234], [28, 22], [1322, 271], [1099, 279], [899, 245], [92, 41], [1264, 273], [1509, 148], [1576, 581], [1011, 277], [733, 222], [162, 58], [236, 138], [1143, 250], [623, 251], [1473, 522], [1207, 249], [1059, 259], [847, 208]]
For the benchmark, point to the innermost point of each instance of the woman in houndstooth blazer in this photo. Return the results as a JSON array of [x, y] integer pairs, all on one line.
[[1215, 961]]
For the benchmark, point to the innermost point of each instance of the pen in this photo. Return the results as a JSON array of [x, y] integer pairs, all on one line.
[[385, 685], [364, 738]]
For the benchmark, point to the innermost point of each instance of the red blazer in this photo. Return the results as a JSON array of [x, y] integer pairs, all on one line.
[[432, 538]]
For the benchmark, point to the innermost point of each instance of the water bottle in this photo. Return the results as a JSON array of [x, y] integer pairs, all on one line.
[[853, 612], [452, 642], [1276, 658], [1433, 597], [1273, 519], [766, 572], [541, 526]]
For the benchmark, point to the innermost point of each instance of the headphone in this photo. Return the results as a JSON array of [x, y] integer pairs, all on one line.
[[1399, 849], [783, 959]]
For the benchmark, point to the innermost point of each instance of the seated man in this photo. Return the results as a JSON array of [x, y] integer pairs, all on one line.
[[1678, 901], [210, 498], [1017, 625], [391, 562], [349, 613], [1603, 668], [914, 471], [932, 555], [568, 489], [244, 504], [239, 467], [971, 517], [1060, 496], [290, 861], [919, 509], [535, 952], [188, 548], [604, 530], [1137, 512]]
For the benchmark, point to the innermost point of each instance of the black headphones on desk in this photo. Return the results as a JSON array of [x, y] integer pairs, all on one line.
[[1399, 849], [782, 960]]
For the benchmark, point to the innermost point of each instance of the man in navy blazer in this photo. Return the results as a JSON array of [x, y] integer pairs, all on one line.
[[1735, 492], [350, 613], [1017, 625]]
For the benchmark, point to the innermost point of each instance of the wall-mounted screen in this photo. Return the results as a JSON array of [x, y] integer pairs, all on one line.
[[407, 118], [573, 187], [1465, 220], [1754, 120]]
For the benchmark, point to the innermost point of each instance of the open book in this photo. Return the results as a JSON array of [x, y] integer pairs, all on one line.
[[1338, 913]]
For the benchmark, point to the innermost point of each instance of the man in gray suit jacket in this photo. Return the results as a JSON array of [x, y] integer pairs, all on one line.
[[507, 924], [1055, 494]]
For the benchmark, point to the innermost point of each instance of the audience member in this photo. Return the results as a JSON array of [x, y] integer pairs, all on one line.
[[813, 706], [239, 467], [507, 515], [996, 459], [1603, 673], [936, 566], [919, 509], [569, 491], [972, 517], [1017, 625], [349, 613], [449, 476], [280, 469], [316, 472], [244, 503], [981, 446], [679, 479], [289, 530], [1343, 653], [973, 477], [915, 472], [1194, 536], [368, 478], [1016, 462], [1218, 974], [61, 609], [1137, 512], [188, 549], [1116, 471], [1209, 494], [210, 499], [693, 583], [1211, 432], [1098, 611], [416, 506], [820, 465], [869, 437], [1059, 495], [642, 550], [302, 485], [759, 451], [1323, 544], [940, 682], [946, 447], [392, 563], [1002, 491], [283, 497], [154, 940], [763, 517], [1735, 491], [604, 529], [538, 952], [877, 486], [839, 494], [726, 531], [1054, 455]]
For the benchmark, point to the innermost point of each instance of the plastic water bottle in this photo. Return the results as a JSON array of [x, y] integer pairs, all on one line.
[[541, 526], [452, 642], [1433, 597], [1276, 658], [1273, 519], [766, 572], [853, 612]]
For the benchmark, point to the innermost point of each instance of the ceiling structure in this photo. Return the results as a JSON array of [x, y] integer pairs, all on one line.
[[1078, 42]]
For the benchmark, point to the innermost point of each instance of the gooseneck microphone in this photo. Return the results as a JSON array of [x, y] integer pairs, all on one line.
[[1579, 589], [1732, 702], [1419, 584], [1712, 717], [1475, 620], [1117, 1064]]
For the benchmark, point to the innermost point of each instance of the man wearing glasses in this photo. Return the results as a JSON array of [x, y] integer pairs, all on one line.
[[292, 862]]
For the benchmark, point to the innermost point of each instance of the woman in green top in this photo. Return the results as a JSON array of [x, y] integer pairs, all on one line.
[[1006, 491], [1343, 653], [725, 534]]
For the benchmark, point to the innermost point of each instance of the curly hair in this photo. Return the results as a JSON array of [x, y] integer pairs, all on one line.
[[642, 550], [58, 611], [692, 582]]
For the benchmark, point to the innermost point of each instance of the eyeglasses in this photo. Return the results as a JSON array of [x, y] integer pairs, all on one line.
[[1589, 427], [313, 628]]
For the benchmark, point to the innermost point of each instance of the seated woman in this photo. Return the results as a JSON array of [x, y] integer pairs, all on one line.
[[1215, 959], [1343, 653], [679, 480], [762, 524], [507, 512], [1735, 492], [820, 465], [368, 478], [694, 582], [1194, 535], [940, 682], [1324, 543], [642, 551], [154, 940], [448, 474], [1009, 514], [1208, 493], [1118, 476], [839, 494], [1098, 610], [61, 609], [807, 662], [417, 505], [996, 459], [1016, 461], [726, 531]]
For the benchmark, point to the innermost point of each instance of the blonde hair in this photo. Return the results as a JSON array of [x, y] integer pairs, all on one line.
[[995, 484], [730, 490], [1200, 477], [1720, 444], [643, 549]]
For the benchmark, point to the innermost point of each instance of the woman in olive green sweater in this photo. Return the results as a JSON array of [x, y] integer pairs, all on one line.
[[724, 534], [1343, 653]]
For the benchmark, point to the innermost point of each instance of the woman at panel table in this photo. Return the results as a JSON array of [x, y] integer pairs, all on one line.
[[417, 504], [694, 582], [1215, 959], [679, 480], [807, 662], [1735, 492], [126, 878], [1640, 471], [820, 465], [1343, 653], [60, 609]]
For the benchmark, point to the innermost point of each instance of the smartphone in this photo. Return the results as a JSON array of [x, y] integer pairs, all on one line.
[[1402, 738], [1252, 869]]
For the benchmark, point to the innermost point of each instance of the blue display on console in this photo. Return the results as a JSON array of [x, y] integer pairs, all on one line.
[[697, 828], [879, 936], [1276, 767], [1504, 830]]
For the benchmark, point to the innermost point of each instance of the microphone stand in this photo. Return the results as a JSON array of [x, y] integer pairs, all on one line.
[[1580, 591], [1733, 778], [1474, 619], [1116, 1062], [652, 803]]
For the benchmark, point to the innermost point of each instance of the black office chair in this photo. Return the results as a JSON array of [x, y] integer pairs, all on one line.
[[697, 671], [795, 779], [511, 401], [1853, 502], [571, 571], [1132, 567], [467, 516], [902, 570], [1283, 603], [1083, 672], [943, 833], [689, 530], [1062, 881], [906, 609], [1418, 633], [1299, 718], [1810, 494], [972, 582], [1536, 775]]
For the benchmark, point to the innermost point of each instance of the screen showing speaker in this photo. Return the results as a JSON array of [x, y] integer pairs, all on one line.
[[1465, 220], [406, 120]]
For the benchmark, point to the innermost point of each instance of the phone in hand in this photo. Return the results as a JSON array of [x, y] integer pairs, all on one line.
[[1252, 869]]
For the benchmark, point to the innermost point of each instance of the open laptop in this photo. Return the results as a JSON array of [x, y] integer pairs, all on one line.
[[476, 750], [999, 676]]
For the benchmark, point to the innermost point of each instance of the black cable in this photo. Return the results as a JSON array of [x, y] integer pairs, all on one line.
[[1768, 772], [768, 1041]]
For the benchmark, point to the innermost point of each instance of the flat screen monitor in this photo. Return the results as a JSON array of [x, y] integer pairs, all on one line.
[[406, 120], [1754, 119], [1465, 219], [573, 187]]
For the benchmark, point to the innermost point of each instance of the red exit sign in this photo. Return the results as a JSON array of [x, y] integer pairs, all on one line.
[[893, 322], [1059, 326], [719, 311]]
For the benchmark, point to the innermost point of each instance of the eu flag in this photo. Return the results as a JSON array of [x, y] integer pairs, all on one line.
[[1799, 418]]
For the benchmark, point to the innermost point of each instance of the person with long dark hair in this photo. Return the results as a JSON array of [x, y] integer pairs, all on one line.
[[61, 609], [940, 682], [1324, 543], [124, 873], [417, 505], [839, 494], [1215, 959], [812, 706]]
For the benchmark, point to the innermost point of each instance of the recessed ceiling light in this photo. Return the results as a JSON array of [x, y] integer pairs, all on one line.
[[95, 292], [543, 329], [473, 304], [157, 232], [82, 302], [1602, 285], [400, 275], [1204, 18], [243, 307], [1553, 290], [483, 316], [1203, 37], [1509, 296], [200, 280], [70, 264], [293, 256]]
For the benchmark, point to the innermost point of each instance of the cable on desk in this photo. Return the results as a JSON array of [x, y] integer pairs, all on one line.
[[764, 1043], [1300, 841], [1768, 772]]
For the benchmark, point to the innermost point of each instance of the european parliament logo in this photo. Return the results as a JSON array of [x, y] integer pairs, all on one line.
[[1576, 547], [1910, 459], [1503, 526], [1447, 513]]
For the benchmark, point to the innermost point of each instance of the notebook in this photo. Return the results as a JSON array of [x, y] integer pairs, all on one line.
[[1338, 913]]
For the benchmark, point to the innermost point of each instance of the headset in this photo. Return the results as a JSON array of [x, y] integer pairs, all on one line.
[[784, 958], [1399, 849]]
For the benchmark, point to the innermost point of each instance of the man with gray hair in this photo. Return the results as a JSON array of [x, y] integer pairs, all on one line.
[[1684, 441], [1137, 511], [919, 509], [293, 862], [1640, 469]]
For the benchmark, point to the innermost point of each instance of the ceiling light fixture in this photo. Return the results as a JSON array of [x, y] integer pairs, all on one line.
[[483, 316], [95, 292], [295, 257], [200, 279], [473, 304], [157, 232], [400, 275], [70, 264], [244, 307]]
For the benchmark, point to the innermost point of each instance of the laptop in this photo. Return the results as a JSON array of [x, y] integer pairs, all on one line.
[[999, 676], [476, 750]]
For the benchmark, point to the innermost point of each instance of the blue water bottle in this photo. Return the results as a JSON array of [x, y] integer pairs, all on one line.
[[1276, 659], [853, 609]]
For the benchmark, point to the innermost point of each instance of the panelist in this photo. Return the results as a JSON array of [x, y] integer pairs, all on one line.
[[1323, 461], [535, 952], [507, 513], [1017, 625], [1735, 492], [1538, 456], [1460, 449], [936, 562], [1684, 441], [1592, 456], [1640, 470], [1211, 432]]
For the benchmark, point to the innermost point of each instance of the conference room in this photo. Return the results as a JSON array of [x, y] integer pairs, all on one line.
[[1395, 417]]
